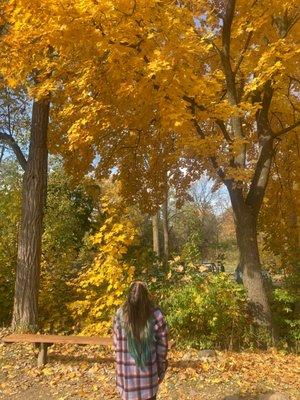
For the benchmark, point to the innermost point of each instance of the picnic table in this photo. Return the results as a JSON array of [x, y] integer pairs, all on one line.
[[44, 341]]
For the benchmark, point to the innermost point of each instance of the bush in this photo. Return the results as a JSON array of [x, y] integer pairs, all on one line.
[[191, 251], [10, 201], [67, 218], [210, 313], [286, 316]]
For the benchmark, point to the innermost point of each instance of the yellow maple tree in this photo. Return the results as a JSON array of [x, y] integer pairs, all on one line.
[[149, 87], [101, 286]]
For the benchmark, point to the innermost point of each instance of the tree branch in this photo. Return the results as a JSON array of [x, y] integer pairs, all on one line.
[[236, 121], [219, 122], [240, 60], [266, 143], [261, 175], [193, 103], [226, 31], [278, 119], [263, 126], [286, 130], [10, 141], [2, 153], [221, 125], [213, 159], [225, 52], [223, 129]]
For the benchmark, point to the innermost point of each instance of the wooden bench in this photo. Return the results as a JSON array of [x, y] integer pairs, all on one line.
[[43, 341]]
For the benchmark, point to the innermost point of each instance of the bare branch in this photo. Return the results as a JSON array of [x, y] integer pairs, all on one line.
[[10, 141]]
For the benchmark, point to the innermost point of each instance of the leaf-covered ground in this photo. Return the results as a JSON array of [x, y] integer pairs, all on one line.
[[79, 372]]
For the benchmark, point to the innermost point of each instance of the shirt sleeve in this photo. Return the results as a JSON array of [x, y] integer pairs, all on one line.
[[161, 344]]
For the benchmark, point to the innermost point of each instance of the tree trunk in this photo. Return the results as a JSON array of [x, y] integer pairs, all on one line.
[[246, 233], [155, 233], [25, 313], [165, 228], [296, 189]]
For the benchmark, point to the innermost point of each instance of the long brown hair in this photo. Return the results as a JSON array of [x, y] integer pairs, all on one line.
[[137, 309]]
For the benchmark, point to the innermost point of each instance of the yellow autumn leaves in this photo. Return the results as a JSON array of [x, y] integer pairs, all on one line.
[[102, 285], [117, 67]]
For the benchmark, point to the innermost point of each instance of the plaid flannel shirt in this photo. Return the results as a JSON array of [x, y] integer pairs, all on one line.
[[136, 383]]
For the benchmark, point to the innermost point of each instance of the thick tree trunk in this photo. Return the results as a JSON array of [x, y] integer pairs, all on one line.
[[296, 216], [165, 228], [246, 233], [25, 313], [155, 233]]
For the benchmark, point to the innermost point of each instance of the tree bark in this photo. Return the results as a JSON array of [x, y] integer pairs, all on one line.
[[246, 233], [155, 233], [165, 228], [25, 313]]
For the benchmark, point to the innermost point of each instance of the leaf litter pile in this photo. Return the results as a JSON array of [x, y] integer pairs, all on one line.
[[86, 372]]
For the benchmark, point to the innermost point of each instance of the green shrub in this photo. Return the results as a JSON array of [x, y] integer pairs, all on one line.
[[286, 316], [191, 251], [10, 200], [209, 313]]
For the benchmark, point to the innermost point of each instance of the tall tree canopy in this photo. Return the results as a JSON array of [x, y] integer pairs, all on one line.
[[158, 87]]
